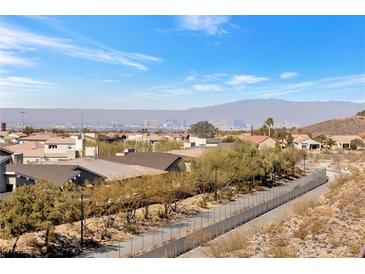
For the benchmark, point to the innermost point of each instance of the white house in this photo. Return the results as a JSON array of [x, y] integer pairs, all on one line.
[[305, 142], [138, 137], [79, 143], [60, 148], [201, 142]]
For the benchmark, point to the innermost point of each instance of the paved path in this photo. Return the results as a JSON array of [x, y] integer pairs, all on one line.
[[276, 214], [157, 237]]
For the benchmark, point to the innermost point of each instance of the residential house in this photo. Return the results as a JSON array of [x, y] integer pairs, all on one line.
[[305, 142], [79, 144], [177, 136], [60, 148], [31, 151], [156, 160], [16, 157], [37, 137], [18, 175], [136, 137], [201, 142], [3, 134], [4, 160], [259, 140], [344, 141], [112, 170]]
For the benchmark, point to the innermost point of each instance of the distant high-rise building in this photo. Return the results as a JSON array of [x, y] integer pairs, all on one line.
[[239, 124], [3, 126], [151, 123]]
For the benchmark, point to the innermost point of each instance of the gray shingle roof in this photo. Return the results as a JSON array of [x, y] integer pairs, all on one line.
[[57, 174], [155, 160]]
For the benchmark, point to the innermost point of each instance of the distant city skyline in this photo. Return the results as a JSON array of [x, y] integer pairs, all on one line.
[[178, 62]]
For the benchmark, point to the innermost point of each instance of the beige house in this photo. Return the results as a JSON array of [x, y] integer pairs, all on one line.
[[305, 142], [260, 141], [344, 141], [59, 148]]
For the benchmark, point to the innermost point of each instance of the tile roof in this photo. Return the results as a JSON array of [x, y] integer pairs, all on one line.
[[38, 137], [156, 160], [21, 148], [345, 138], [256, 139], [60, 141]]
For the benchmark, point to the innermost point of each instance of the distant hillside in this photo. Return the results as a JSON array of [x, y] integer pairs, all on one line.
[[346, 126], [251, 111]]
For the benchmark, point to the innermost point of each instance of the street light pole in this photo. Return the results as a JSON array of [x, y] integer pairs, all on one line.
[[22, 116]]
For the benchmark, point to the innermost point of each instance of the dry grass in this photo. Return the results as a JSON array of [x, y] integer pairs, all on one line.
[[332, 226]]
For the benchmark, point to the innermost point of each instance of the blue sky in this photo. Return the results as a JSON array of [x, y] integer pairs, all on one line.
[[177, 62]]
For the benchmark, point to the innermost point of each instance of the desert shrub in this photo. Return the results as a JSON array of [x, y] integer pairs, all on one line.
[[279, 248], [130, 228], [203, 202]]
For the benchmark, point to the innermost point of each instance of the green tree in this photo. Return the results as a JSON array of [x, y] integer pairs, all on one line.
[[16, 214], [229, 139], [356, 143], [213, 170], [361, 113], [28, 130], [203, 129], [321, 139], [269, 122], [330, 143], [289, 141], [46, 212]]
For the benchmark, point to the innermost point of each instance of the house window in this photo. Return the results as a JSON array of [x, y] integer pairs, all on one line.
[[69, 147], [304, 145], [52, 146]]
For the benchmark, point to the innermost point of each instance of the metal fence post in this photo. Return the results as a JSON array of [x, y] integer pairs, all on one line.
[[119, 249], [153, 238], [142, 242], [170, 232], [132, 247]]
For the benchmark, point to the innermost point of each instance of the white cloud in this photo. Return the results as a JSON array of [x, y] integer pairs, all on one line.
[[245, 79], [211, 25], [289, 74], [127, 75], [191, 77], [9, 58], [11, 84], [12, 38], [109, 81], [206, 88]]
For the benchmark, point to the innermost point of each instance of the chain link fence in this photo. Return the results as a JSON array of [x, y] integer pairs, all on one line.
[[182, 236]]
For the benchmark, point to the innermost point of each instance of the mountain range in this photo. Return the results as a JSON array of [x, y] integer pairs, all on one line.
[[251, 111]]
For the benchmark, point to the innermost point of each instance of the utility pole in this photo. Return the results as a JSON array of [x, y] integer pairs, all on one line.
[[82, 123], [22, 117], [82, 220]]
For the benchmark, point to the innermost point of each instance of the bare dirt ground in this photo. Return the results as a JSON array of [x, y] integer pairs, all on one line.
[[332, 226]]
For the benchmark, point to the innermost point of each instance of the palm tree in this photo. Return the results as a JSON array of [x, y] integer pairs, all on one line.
[[269, 122]]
